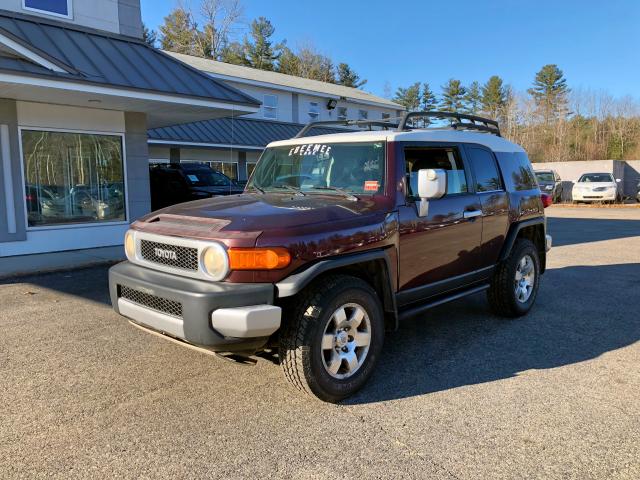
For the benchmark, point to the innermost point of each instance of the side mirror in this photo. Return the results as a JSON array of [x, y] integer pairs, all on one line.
[[432, 183], [618, 180]]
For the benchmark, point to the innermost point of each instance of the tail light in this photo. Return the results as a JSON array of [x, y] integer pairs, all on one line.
[[547, 200]]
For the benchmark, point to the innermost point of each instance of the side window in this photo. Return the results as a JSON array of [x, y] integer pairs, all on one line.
[[449, 159], [486, 171], [516, 171], [270, 106]]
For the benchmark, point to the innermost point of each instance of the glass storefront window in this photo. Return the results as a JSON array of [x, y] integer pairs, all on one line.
[[230, 169], [250, 167], [73, 177]]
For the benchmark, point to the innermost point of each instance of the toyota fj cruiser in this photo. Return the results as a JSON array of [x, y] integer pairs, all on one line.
[[337, 238]]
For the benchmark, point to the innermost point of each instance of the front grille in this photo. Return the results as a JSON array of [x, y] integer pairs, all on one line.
[[185, 258], [159, 304]]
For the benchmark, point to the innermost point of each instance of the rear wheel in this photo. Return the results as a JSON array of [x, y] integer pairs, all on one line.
[[333, 337], [515, 284]]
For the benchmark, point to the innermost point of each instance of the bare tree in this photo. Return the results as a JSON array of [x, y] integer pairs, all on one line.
[[214, 23]]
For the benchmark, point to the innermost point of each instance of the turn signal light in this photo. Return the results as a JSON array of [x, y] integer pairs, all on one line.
[[258, 258]]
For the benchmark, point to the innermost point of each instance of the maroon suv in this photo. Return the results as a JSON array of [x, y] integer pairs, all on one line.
[[335, 239]]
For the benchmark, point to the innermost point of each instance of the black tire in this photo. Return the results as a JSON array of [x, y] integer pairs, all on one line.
[[301, 355], [502, 294]]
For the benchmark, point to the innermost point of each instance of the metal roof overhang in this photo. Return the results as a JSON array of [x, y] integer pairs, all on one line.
[[162, 109]]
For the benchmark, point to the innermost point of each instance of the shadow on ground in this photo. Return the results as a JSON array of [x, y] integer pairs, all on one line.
[[91, 283], [570, 231], [577, 317]]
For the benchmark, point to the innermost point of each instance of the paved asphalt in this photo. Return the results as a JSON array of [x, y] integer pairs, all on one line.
[[458, 394]]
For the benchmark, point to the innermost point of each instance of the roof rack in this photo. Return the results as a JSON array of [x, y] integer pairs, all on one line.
[[471, 122], [347, 123]]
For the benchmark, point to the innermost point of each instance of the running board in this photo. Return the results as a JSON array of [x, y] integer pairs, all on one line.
[[411, 312]]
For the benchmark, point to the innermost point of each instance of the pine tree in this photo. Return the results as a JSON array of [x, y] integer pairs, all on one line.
[[233, 53], [408, 97], [260, 52], [177, 32], [150, 37], [494, 96], [288, 62], [428, 100], [473, 98], [453, 94], [550, 91], [347, 77]]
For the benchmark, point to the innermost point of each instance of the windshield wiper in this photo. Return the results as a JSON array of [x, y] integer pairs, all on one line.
[[346, 194], [295, 190]]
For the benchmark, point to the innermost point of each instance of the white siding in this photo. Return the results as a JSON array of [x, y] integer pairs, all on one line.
[[99, 14], [285, 104], [375, 113], [285, 100], [44, 115]]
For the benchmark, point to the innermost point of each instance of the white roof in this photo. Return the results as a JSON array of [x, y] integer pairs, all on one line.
[[495, 143], [247, 74]]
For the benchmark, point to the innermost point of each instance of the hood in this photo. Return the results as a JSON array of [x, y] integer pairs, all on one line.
[[546, 185], [224, 188], [253, 213], [593, 185]]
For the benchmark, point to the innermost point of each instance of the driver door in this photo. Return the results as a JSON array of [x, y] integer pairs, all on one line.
[[439, 251]]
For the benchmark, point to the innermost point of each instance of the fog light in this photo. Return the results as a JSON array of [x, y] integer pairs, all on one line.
[[215, 261], [130, 245]]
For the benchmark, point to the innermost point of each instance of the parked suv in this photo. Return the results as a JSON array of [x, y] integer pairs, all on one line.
[[550, 183], [335, 240], [173, 183]]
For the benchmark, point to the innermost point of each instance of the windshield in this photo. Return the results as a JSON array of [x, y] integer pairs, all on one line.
[[357, 168], [206, 178], [596, 177], [544, 177]]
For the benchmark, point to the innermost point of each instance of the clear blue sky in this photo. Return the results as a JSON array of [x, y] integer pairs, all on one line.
[[595, 42]]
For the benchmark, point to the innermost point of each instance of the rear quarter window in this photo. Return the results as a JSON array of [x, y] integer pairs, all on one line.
[[516, 171]]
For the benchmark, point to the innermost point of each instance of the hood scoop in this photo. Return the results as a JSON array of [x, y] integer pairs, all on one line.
[[191, 227]]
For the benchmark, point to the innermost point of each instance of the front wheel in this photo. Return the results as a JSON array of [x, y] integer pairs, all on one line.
[[515, 283], [332, 338]]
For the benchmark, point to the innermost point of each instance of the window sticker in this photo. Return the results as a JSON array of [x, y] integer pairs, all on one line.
[[371, 165], [193, 178], [317, 149], [371, 185]]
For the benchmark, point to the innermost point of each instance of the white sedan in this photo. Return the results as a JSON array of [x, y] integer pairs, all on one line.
[[596, 187]]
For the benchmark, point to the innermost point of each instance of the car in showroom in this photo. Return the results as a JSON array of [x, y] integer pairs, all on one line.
[[596, 187], [335, 240], [550, 183]]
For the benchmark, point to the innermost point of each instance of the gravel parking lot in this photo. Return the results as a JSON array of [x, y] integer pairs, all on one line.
[[458, 394]]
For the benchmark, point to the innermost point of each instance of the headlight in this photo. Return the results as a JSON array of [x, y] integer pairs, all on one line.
[[215, 261], [130, 245]]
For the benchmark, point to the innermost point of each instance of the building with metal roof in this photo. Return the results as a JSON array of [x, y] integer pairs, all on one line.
[[233, 145], [79, 89]]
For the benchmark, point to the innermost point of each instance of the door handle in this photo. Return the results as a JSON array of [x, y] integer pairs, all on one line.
[[472, 214]]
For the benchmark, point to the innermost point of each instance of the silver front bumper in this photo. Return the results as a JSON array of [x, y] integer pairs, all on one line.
[[239, 322], [548, 241]]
